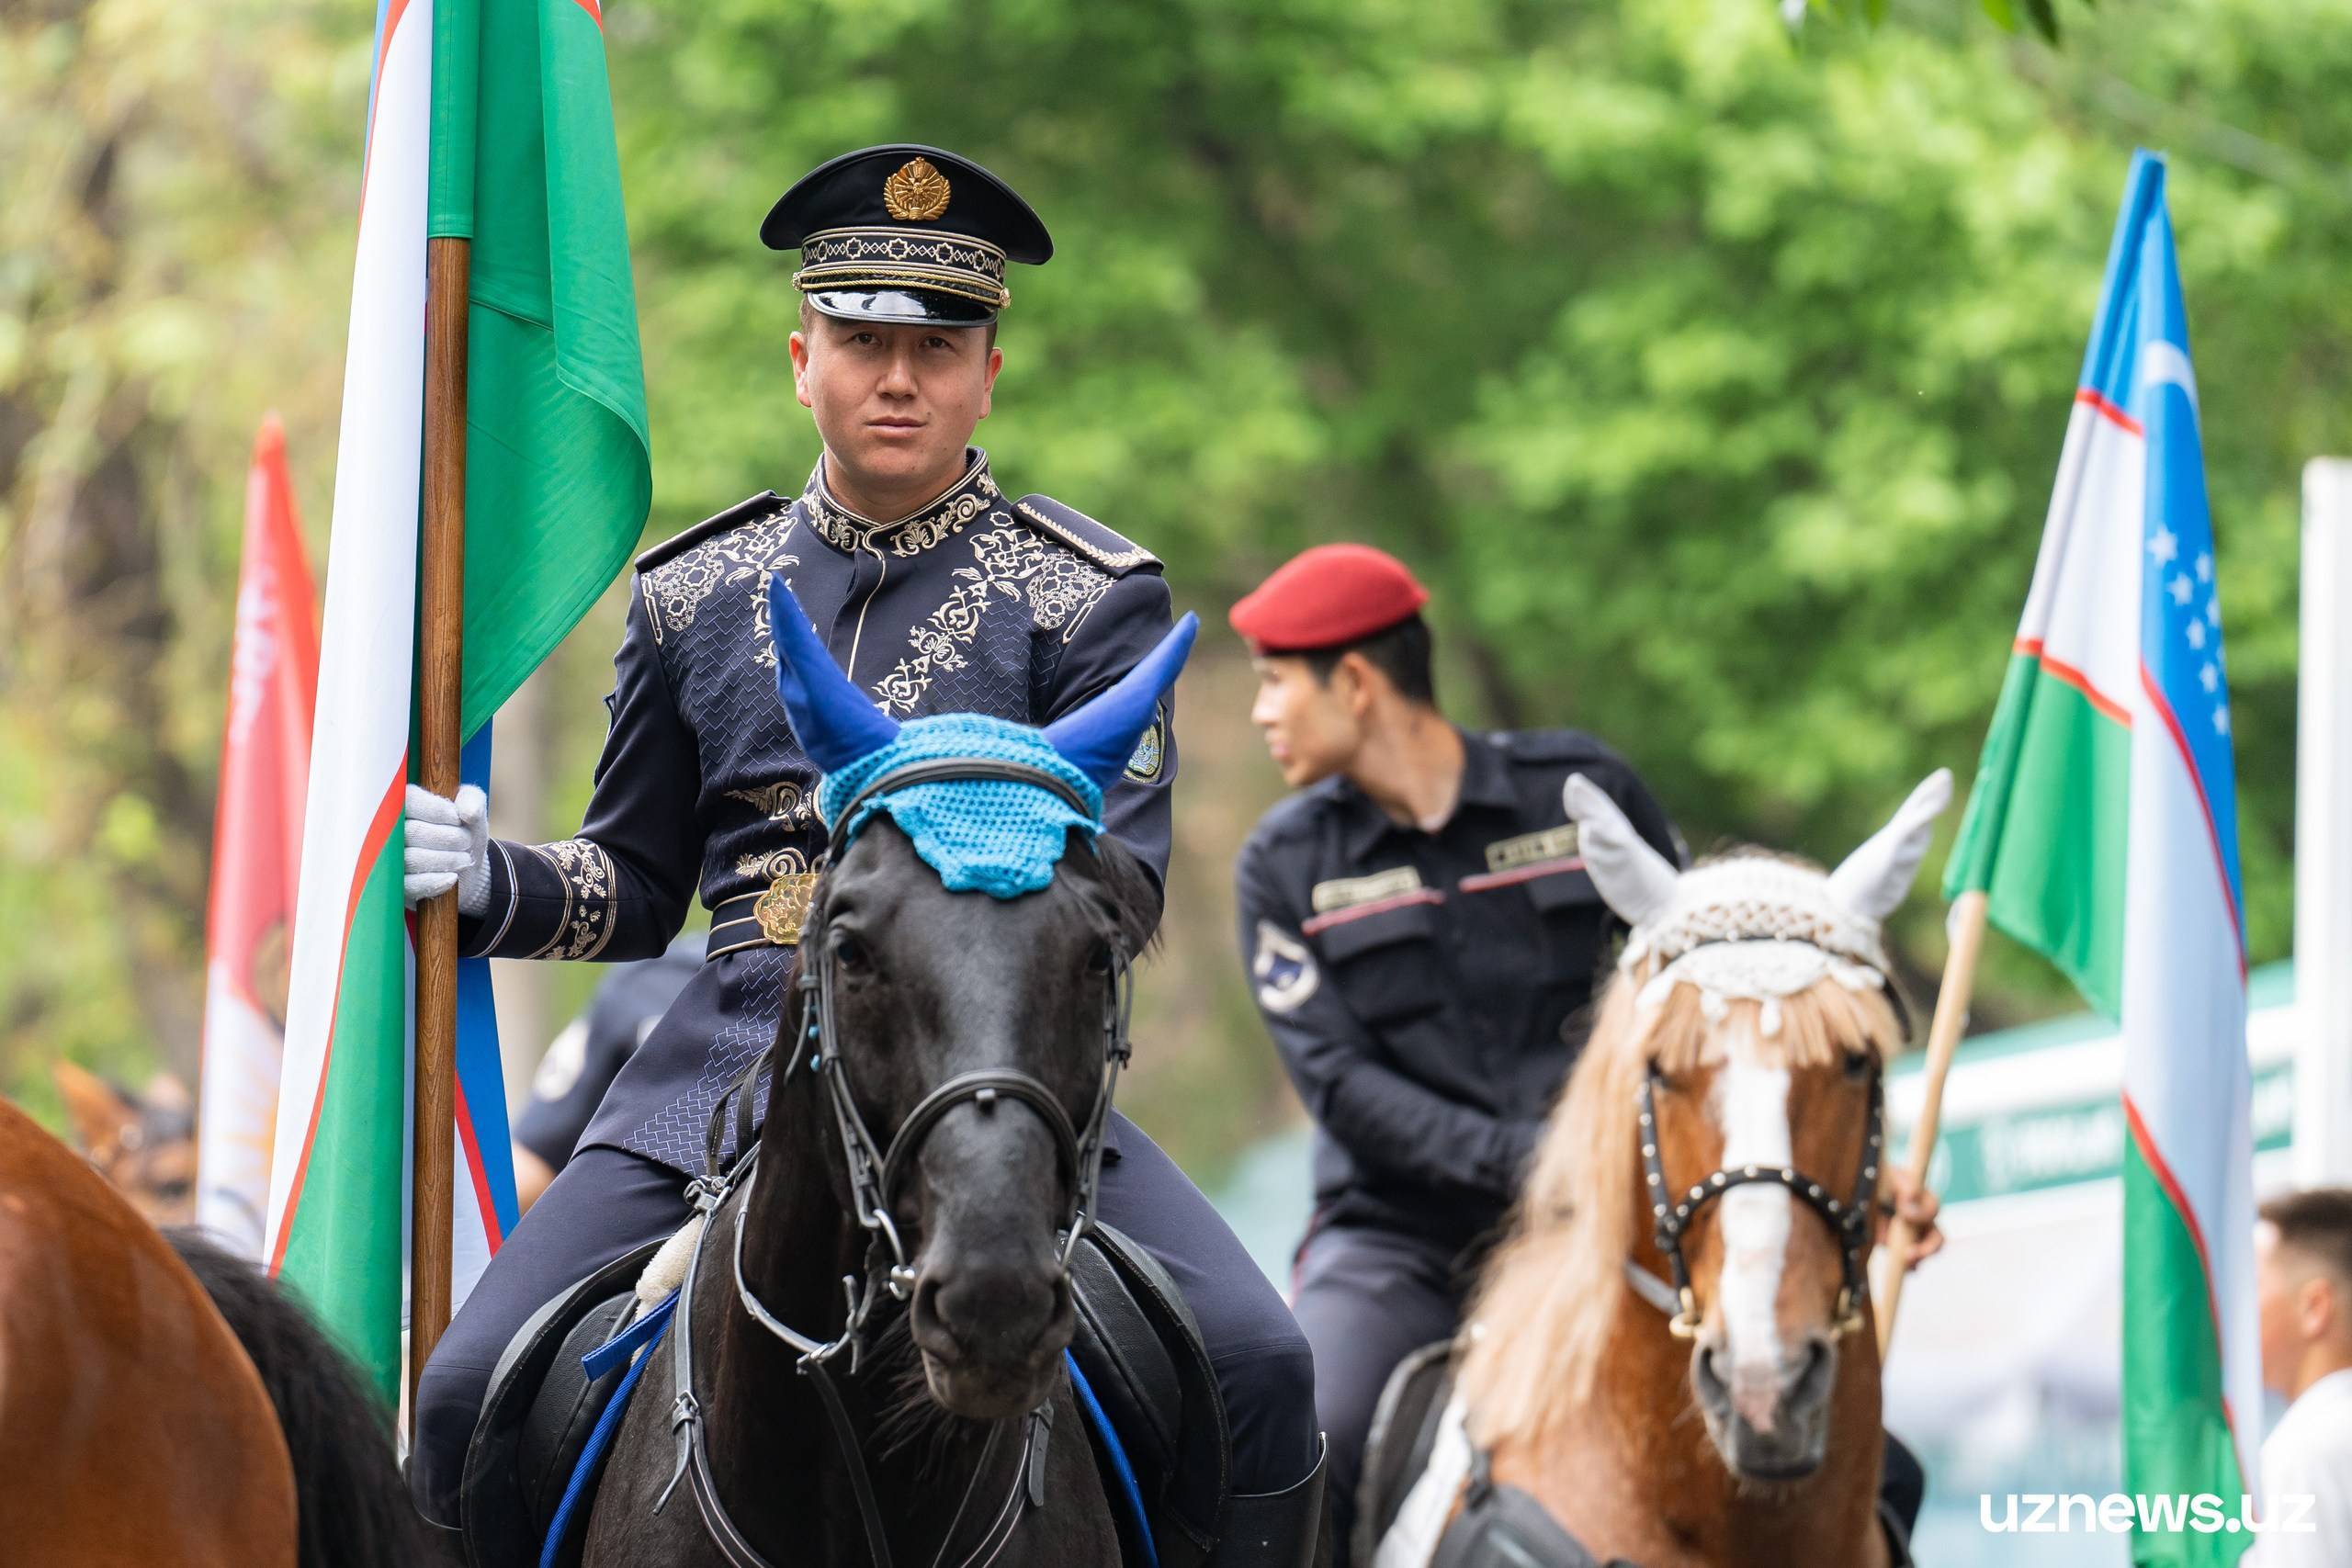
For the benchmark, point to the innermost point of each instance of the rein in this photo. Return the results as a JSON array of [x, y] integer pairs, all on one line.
[[874, 1172]]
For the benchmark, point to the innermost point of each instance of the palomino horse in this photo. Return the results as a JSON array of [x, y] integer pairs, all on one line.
[[866, 1364], [133, 1427], [1673, 1353]]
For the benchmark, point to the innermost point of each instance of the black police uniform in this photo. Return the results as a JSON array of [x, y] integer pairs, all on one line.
[[1023, 609], [1428, 992]]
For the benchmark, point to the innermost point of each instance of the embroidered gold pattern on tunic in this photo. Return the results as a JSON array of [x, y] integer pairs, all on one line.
[[589, 914], [1013, 564], [783, 801], [845, 530], [774, 863], [676, 590]]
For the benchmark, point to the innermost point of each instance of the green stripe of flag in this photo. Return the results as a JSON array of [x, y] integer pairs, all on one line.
[[343, 1239], [2179, 1444], [559, 473], [2045, 833]]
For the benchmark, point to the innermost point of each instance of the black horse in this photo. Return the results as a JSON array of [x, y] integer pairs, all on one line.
[[877, 1309]]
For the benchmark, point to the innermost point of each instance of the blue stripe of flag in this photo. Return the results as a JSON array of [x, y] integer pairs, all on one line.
[[2180, 606], [479, 1073]]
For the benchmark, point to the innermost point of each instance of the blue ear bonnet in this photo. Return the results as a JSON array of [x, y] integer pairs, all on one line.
[[989, 836], [995, 836]]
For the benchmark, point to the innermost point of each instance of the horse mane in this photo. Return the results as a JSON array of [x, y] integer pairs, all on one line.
[[1541, 1321], [351, 1505]]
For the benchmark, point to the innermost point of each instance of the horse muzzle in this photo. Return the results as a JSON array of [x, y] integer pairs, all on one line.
[[1770, 1423], [991, 1336]]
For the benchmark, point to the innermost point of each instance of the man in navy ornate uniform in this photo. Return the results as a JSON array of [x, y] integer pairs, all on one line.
[[937, 594]]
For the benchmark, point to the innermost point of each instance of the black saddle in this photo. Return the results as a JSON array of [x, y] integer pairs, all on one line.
[[1137, 1344], [534, 1424], [1498, 1527]]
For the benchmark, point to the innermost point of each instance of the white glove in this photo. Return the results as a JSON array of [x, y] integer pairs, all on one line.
[[448, 846]]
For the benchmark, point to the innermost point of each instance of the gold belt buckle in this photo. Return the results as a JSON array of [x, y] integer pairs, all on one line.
[[783, 909]]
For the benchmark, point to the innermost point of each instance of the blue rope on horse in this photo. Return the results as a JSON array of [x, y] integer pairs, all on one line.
[[645, 1332], [1120, 1468]]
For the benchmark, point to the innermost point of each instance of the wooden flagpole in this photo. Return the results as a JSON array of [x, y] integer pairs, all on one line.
[[440, 686], [1943, 1039]]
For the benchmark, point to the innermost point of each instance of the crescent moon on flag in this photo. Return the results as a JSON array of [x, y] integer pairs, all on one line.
[[2162, 362]]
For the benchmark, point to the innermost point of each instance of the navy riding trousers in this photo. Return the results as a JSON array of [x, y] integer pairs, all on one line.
[[608, 1202]]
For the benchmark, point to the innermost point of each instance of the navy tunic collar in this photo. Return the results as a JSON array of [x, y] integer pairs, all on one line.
[[940, 518]]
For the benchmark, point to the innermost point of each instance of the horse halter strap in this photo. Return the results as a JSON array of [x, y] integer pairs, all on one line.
[[1849, 1221]]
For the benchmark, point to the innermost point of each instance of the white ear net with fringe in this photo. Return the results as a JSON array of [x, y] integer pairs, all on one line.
[[1633, 879], [1876, 877], [1755, 928]]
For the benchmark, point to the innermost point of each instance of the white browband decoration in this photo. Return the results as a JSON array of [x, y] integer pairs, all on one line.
[[1752, 927]]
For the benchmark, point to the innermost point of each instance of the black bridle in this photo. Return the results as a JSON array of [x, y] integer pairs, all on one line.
[[876, 1171], [1849, 1221]]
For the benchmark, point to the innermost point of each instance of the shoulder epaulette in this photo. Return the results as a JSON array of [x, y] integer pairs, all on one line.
[[1068, 526], [766, 502]]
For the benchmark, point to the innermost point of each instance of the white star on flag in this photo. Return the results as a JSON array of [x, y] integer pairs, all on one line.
[[2164, 547], [2182, 588], [2212, 677], [2222, 719], [2204, 567], [2197, 635], [2212, 610]]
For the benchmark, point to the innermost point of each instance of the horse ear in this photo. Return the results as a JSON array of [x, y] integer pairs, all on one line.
[[1633, 879], [1875, 877], [98, 1109], [1099, 737], [835, 723]]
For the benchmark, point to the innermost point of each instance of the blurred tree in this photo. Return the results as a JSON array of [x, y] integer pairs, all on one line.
[[1717, 386]]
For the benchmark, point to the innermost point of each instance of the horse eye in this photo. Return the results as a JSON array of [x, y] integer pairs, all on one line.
[[1098, 961], [1857, 1063], [850, 952]]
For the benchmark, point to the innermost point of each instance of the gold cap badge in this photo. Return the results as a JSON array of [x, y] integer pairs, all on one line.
[[916, 193]]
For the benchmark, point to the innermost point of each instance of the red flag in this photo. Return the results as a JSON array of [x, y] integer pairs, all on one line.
[[256, 853]]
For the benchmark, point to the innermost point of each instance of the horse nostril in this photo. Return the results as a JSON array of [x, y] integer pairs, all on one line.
[[925, 1309], [1710, 1375], [1807, 1377]]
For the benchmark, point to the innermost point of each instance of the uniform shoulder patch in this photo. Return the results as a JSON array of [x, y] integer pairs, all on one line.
[[760, 506], [1151, 750], [1106, 548]]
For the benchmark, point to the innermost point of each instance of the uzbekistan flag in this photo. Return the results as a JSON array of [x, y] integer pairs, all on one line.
[[492, 123], [256, 855], [2103, 830]]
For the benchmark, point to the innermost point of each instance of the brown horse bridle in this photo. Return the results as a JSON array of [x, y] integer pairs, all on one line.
[[1849, 1221]]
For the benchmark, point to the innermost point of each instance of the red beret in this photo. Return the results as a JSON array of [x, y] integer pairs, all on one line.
[[1326, 597]]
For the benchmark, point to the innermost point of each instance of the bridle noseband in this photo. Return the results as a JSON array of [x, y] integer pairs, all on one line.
[[1849, 1221], [875, 1171]]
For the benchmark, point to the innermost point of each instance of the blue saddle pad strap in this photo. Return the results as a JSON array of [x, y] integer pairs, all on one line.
[[1122, 1471], [645, 1333]]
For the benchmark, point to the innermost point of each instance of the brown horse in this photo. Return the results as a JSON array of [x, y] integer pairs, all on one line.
[[161, 1403], [1673, 1352]]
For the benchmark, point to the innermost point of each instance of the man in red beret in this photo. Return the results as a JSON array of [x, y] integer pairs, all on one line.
[[1422, 940]]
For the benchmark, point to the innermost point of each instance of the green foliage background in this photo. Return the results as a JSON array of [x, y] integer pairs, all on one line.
[[1715, 380]]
